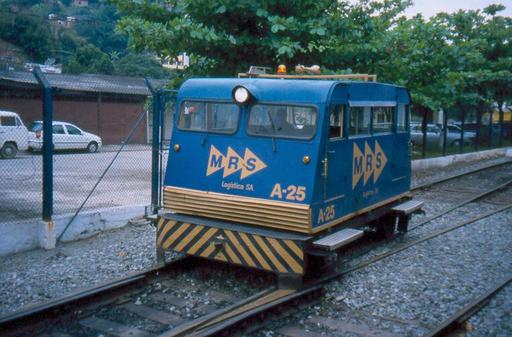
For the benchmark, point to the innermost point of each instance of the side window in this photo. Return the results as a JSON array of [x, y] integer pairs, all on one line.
[[72, 130], [382, 119], [360, 121], [336, 121], [192, 116], [58, 130], [401, 117], [7, 121]]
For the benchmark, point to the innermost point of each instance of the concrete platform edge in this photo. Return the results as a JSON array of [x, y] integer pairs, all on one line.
[[25, 235], [430, 163]]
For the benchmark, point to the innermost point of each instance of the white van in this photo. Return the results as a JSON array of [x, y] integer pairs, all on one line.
[[13, 134]]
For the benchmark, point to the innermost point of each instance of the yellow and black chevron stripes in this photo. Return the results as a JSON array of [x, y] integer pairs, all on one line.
[[256, 251]]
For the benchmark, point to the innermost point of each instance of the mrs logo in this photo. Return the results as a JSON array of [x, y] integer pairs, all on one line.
[[364, 165], [233, 162]]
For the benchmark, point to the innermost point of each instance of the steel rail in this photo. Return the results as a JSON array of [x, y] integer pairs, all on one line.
[[458, 175], [236, 318], [418, 241], [462, 203], [457, 320], [36, 313]]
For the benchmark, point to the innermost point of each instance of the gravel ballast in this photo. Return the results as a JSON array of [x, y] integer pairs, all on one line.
[[405, 295]]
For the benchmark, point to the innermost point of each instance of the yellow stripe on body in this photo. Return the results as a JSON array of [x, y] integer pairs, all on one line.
[[175, 235], [167, 227], [284, 254], [232, 254], [201, 241], [190, 236], [241, 249], [293, 246], [271, 256], [221, 257], [255, 251], [208, 251]]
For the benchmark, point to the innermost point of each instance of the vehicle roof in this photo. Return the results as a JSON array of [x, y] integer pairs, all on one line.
[[8, 113], [289, 90], [55, 122]]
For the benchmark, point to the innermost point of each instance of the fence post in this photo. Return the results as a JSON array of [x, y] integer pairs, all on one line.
[[424, 131], [501, 125], [445, 130], [478, 124], [489, 136], [47, 235], [462, 126], [155, 146]]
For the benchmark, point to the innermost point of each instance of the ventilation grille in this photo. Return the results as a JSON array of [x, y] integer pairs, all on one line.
[[244, 210]]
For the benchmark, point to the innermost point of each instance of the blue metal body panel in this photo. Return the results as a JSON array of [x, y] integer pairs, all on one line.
[[362, 171]]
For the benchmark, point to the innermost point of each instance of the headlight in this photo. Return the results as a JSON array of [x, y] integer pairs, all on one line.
[[241, 95]]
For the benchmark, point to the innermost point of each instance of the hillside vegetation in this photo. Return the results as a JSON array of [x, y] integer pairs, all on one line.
[[88, 45]]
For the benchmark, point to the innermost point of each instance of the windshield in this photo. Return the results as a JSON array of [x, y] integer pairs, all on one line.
[[36, 126], [208, 116], [284, 121]]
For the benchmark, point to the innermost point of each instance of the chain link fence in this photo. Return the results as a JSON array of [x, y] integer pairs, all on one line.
[[460, 131], [105, 155], [101, 153]]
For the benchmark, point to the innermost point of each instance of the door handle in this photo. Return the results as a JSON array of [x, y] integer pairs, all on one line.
[[331, 151]]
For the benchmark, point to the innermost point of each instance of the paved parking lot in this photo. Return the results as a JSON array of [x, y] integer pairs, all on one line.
[[127, 182]]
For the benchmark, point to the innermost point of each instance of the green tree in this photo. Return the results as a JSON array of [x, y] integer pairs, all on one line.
[[30, 33], [89, 59], [137, 65], [224, 37]]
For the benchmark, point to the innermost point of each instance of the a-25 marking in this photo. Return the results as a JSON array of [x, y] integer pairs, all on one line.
[[326, 214], [292, 192]]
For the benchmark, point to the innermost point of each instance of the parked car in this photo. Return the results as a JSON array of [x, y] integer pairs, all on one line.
[[13, 134], [435, 135], [66, 136]]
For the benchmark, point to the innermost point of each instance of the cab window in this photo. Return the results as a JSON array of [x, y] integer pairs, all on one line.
[[208, 116], [401, 117], [382, 119], [336, 121], [360, 121], [283, 121]]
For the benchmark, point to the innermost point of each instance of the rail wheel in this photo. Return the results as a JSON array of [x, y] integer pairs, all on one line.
[[386, 226]]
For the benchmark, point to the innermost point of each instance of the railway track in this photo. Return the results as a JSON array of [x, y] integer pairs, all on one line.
[[88, 312], [458, 322]]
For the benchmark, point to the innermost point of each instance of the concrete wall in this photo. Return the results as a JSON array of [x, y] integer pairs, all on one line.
[[111, 120], [430, 163], [20, 236]]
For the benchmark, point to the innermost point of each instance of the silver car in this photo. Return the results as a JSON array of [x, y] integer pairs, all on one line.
[[435, 135], [66, 136]]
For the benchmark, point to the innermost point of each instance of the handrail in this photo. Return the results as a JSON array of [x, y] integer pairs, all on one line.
[[364, 77]]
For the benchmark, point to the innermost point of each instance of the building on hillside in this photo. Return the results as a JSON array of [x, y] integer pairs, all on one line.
[[108, 106], [81, 3]]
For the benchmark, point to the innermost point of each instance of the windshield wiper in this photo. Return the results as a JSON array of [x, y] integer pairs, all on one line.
[[274, 149]]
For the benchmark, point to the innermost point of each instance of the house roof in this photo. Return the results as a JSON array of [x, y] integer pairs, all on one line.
[[83, 83]]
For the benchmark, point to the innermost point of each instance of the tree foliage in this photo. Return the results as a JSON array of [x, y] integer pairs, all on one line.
[[89, 59], [449, 60]]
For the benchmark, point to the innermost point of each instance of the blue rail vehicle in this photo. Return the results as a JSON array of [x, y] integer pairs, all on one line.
[[270, 173]]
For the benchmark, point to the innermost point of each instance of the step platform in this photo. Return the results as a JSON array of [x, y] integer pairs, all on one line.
[[338, 239], [408, 207]]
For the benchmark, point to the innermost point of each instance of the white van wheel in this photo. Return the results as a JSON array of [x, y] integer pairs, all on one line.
[[9, 150]]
